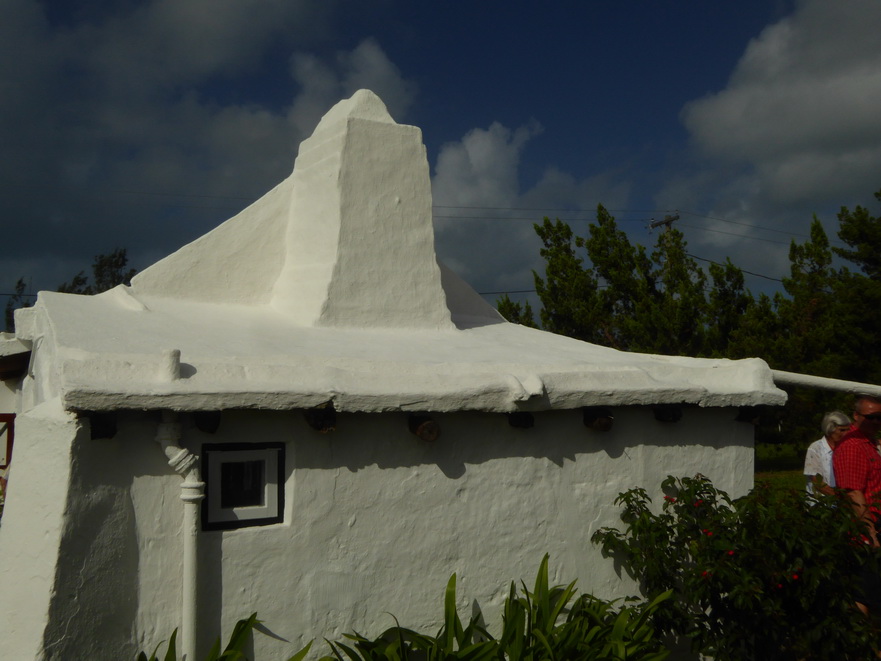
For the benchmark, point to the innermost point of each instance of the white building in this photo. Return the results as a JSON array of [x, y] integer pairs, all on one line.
[[306, 352]]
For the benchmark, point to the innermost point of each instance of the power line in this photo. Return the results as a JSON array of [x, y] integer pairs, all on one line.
[[753, 226], [623, 220], [758, 275], [445, 206], [569, 211], [626, 220], [735, 222], [692, 255], [129, 191], [528, 218], [503, 218], [742, 236]]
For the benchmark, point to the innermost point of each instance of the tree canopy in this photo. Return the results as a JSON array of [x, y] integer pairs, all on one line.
[[108, 271], [601, 288]]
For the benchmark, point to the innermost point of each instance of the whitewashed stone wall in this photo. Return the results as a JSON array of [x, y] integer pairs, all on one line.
[[376, 521]]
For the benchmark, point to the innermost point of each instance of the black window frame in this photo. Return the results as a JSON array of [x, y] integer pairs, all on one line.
[[212, 453]]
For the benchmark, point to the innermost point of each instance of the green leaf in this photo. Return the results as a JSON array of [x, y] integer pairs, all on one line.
[[352, 654], [240, 634], [171, 652], [214, 652], [452, 623], [336, 655], [299, 656], [544, 642]]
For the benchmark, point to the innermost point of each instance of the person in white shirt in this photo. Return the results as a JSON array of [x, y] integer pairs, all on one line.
[[819, 476]]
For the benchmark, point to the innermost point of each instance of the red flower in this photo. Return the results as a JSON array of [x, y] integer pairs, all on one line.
[[795, 577], [697, 503], [730, 552], [669, 499]]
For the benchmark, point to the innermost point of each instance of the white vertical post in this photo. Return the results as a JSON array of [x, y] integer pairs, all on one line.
[[192, 492]]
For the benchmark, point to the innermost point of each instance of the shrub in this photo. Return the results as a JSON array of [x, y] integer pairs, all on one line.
[[771, 575], [547, 623], [242, 630]]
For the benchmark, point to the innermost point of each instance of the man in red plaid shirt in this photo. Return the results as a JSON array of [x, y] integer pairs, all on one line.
[[857, 464]]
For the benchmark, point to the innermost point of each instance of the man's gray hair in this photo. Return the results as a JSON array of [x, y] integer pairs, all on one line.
[[832, 420]]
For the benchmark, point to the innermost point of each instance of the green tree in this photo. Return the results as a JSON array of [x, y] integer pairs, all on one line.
[[108, 271], [568, 291], [676, 319], [757, 332], [728, 303], [628, 284], [862, 232], [809, 334], [809, 313], [515, 312], [605, 290], [859, 293]]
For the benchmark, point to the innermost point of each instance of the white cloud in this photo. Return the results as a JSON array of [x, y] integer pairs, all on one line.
[[484, 219], [482, 168], [108, 125], [794, 133], [558, 189], [479, 175], [166, 43], [324, 83], [368, 67], [801, 107]]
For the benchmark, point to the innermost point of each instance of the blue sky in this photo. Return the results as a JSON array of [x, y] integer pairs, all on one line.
[[145, 123]]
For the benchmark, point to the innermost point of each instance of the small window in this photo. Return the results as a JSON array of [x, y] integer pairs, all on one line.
[[244, 485]]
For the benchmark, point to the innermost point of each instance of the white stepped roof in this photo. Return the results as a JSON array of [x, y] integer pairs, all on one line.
[[328, 288]]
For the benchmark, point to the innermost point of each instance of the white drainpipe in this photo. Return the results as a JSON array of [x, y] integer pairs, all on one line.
[[782, 378], [192, 492]]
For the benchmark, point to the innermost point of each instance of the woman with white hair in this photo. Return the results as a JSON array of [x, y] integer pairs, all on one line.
[[819, 475]]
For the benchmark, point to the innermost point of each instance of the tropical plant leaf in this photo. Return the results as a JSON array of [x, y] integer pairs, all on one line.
[[452, 623], [299, 656], [171, 652], [214, 652], [240, 634]]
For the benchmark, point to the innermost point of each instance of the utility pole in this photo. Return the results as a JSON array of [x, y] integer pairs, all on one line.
[[666, 221], [668, 224]]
